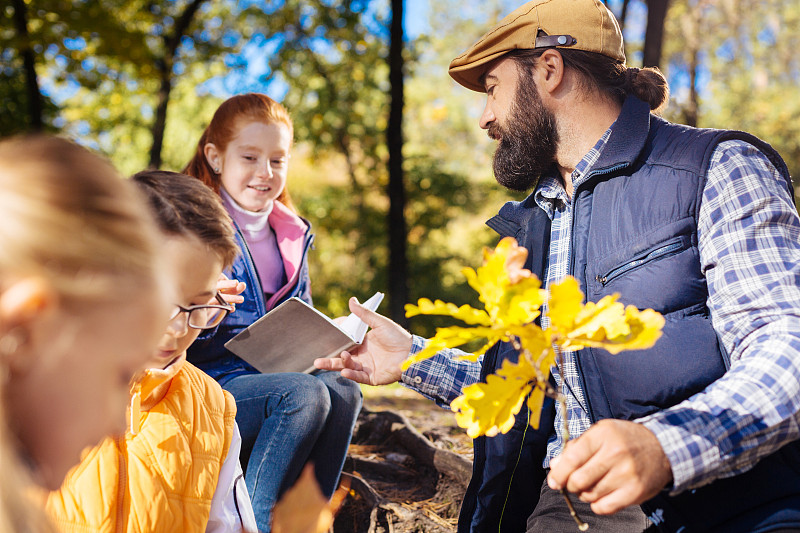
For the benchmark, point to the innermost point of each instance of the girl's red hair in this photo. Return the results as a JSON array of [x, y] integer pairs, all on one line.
[[223, 127]]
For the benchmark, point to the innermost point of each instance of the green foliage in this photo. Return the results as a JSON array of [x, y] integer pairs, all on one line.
[[99, 64], [103, 59], [443, 232], [748, 67], [338, 99], [331, 55]]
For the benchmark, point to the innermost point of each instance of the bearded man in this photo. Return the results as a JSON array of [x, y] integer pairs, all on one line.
[[697, 433]]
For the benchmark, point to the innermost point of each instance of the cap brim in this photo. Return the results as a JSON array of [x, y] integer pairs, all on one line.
[[469, 75]]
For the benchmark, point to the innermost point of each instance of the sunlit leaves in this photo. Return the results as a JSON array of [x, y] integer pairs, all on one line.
[[489, 408], [512, 298], [464, 313], [607, 324], [453, 337]]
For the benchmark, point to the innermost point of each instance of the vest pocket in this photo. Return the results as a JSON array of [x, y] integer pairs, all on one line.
[[648, 256]]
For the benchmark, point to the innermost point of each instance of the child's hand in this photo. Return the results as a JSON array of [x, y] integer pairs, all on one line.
[[230, 289]]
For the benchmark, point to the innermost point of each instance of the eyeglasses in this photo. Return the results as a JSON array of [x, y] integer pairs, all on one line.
[[204, 316]]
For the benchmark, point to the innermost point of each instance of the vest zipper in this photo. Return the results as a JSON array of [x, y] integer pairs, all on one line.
[[650, 256], [571, 271], [251, 267], [592, 174], [122, 488]]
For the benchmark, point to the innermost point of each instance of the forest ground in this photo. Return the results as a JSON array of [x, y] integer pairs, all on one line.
[[408, 463]]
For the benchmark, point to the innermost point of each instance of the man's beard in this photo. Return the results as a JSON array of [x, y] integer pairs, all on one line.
[[527, 141]]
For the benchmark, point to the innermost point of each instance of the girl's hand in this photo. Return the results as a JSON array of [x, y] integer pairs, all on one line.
[[230, 289]]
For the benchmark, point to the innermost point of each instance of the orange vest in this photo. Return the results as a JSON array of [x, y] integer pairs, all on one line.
[[163, 476]]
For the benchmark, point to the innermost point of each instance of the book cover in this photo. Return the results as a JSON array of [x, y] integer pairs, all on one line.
[[291, 336]]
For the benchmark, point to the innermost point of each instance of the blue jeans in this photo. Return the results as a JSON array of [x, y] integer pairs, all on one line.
[[287, 420]]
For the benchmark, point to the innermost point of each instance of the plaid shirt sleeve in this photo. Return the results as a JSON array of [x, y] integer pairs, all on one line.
[[442, 377], [749, 240]]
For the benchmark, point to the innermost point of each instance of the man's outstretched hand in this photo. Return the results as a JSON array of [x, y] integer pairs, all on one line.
[[615, 464], [376, 361]]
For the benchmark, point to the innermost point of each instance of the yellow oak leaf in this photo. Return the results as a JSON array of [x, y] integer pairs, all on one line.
[[452, 337], [564, 304], [644, 330], [489, 408], [465, 313], [613, 327]]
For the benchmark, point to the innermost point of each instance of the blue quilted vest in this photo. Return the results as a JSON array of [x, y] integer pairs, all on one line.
[[208, 352], [635, 233]]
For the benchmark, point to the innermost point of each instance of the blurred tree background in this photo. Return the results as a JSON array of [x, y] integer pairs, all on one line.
[[397, 202]]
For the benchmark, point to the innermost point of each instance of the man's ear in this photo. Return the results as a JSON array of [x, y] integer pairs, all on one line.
[[550, 71], [212, 156]]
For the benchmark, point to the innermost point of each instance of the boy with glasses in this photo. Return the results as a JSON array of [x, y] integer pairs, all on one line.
[[177, 467]]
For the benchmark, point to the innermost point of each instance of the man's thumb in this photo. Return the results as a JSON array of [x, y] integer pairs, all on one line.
[[371, 318]]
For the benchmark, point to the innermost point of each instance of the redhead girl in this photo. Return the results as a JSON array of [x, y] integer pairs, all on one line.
[[286, 419], [81, 309]]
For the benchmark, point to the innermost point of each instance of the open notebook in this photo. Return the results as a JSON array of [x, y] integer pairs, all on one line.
[[291, 336]]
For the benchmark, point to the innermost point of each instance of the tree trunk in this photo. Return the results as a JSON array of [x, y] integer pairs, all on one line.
[[164, 65], [691, 114], [623, 14], [160, 122], [398, 264], [34, 95], [654, 34], [692, 27]]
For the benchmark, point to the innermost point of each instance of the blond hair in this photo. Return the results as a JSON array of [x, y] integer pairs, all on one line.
[[66, 215]]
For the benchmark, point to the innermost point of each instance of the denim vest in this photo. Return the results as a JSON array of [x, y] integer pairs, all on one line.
[[635, 233]]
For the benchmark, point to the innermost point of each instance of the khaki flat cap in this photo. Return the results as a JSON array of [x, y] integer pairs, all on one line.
[[576, 24]]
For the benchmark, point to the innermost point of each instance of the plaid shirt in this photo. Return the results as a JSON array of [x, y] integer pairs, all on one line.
[[749, 243], [552, 198]]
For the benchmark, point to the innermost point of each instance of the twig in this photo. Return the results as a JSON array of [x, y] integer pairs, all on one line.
[[550, 392], [562, 402], [583, 526]]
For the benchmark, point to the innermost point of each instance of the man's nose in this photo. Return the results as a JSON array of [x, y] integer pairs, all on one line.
[[487, 117]]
